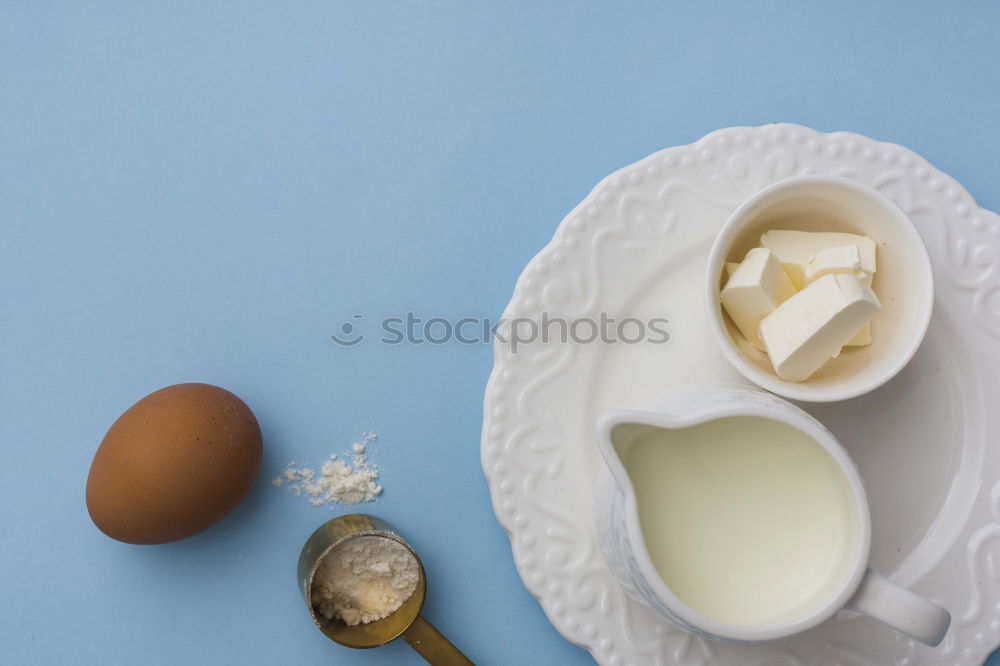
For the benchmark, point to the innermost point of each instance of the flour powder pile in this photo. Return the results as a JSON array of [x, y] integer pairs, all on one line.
[[348, 480], [364, 579]]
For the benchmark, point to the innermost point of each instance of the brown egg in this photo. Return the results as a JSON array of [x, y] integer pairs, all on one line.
[[173, 464]]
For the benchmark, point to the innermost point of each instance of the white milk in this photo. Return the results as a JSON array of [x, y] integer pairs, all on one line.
[[749, 521]]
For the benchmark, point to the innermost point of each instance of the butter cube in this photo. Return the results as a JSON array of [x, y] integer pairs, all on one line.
[[841, 259], [731, 267], [838, 259], [794, 249], [756, 287], [813, 326], [862, 338]]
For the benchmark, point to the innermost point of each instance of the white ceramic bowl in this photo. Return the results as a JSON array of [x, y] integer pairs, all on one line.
[[903, 282]]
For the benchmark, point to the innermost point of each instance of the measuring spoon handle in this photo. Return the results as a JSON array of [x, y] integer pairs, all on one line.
[[432, 645]]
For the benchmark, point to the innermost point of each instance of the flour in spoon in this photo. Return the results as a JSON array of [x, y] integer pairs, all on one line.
[[364, 579]]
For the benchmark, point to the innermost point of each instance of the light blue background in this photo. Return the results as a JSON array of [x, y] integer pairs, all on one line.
[[200, 192]]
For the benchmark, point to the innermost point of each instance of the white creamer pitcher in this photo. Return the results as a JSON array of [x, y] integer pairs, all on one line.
[[845, 581]]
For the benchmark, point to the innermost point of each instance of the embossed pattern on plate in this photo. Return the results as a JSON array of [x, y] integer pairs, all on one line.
[[636, 246]]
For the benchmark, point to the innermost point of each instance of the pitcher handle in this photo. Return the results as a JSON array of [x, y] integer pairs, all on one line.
[[901, 609]]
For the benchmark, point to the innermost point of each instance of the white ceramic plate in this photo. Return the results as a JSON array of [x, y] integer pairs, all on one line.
[[925, 443]]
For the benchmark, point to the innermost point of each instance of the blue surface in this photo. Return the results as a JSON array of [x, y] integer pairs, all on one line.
[[192, 192]]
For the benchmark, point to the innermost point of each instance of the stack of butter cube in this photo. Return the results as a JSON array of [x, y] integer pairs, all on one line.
[[802, 297]]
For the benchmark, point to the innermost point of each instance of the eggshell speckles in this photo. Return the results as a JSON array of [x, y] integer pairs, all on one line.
[[173, 464]]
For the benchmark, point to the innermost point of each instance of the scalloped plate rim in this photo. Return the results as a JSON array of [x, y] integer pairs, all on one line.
[[555, 241]]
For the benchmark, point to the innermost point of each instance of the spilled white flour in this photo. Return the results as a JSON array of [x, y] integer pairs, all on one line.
[[364, 579], [349, 479]]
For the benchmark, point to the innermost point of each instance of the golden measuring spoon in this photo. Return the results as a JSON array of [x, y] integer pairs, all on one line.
[[405, 621]]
